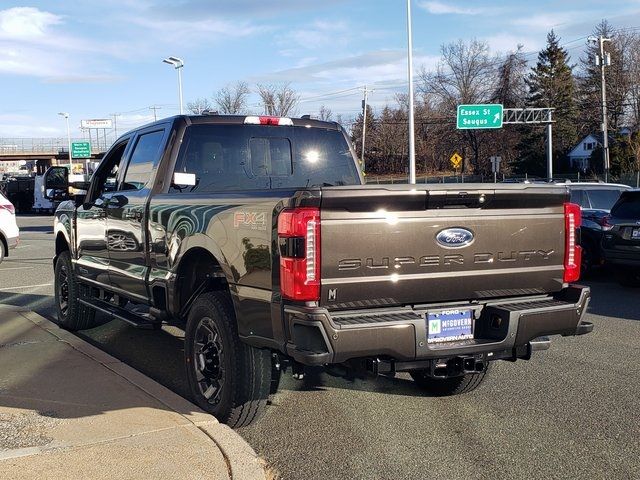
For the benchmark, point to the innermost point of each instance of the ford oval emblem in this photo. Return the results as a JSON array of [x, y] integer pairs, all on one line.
[[454, 237]]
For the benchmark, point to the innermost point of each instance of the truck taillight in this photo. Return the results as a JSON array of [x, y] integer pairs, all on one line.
[[572, 251], [299, 243], [8, 207]]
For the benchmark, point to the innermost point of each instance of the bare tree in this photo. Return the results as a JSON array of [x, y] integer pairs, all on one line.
[[632, 62], [325, 114], [199, 105], [465, 75], [232, 100], [278, 100]]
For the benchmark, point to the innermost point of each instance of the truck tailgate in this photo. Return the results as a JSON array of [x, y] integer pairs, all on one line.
[[406, 244]]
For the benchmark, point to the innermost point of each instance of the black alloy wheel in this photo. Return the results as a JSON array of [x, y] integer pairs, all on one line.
[[208, 360]]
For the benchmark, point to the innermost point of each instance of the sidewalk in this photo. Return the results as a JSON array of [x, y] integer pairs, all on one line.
[[70, 411]]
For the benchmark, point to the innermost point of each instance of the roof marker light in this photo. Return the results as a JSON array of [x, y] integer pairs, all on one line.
[[268, 120]]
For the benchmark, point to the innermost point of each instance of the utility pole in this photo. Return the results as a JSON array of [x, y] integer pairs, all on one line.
[[115, 124], [412, 143], [154, 108], [604, 60], [364, 124]]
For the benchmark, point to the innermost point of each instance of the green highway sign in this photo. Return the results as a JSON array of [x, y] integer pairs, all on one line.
[[479, 116], [80, 150]]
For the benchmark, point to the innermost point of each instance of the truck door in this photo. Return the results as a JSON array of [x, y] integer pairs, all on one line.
[[126, 216], [91, 218]]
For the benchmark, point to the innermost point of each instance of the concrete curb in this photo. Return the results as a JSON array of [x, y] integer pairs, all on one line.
[[242, 461]]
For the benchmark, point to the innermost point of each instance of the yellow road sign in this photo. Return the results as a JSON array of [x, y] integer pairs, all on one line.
[[456, 160]]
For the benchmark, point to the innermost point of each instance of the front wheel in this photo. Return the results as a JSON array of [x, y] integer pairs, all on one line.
[[227, 378], [2, 252], [72, 314], [444, 387]]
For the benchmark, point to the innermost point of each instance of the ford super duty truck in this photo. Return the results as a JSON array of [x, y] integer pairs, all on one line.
[[258, 235]]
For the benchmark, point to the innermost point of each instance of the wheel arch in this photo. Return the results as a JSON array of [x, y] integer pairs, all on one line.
[[62, 245], [198, 270], [3, 239]]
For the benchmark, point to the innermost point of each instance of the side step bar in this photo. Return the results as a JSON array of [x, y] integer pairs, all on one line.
[[131, 318]]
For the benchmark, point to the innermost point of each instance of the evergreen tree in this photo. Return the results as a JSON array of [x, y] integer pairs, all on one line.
[[551, 85]]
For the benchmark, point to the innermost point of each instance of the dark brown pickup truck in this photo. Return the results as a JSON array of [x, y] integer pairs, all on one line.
[[258, 235]]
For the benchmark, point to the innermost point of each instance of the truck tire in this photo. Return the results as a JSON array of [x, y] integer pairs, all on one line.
[[72, 315], [444, 387], [227, 378]]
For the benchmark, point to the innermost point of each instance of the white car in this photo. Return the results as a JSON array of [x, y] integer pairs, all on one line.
[[9, 232]]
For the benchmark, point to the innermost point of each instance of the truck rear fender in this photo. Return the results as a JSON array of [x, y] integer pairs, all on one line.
[[198, 270]]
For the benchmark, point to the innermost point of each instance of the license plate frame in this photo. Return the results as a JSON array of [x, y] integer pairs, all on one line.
[[450, 325]]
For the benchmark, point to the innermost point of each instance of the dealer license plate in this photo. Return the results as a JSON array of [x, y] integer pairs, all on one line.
[[449, 326], [635, 234]]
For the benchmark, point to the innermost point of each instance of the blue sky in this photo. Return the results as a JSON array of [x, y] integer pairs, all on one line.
[[94, 58]]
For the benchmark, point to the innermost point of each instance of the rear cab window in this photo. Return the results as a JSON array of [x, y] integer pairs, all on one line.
[[254, 157]]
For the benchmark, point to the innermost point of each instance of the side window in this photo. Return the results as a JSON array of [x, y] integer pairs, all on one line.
[[107, 172], [143, 159]]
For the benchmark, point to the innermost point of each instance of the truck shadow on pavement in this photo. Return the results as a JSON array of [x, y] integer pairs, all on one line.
[[610, 299], [58, 378]]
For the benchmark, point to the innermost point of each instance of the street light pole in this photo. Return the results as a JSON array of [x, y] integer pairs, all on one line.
[[178, 64], [66, 117], [412, 145]]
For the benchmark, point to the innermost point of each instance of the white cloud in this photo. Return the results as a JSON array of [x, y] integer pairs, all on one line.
[[548, 21], [33, 43], [26, 23], [319, 34], [181, 30], [442, 8], [367, 68], [508, 42]]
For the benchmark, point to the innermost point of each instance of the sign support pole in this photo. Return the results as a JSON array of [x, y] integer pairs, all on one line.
[[549, 147]]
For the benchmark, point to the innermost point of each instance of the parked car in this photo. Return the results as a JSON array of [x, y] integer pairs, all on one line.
[[9, 232], [621, 240], [595, 200]]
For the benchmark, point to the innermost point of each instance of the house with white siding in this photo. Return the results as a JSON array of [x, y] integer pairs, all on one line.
[[580, 155]]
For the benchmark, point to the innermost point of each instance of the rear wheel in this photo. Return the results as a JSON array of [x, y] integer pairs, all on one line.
[[2, 250], [72, 315], [443, 387], [227, 378]]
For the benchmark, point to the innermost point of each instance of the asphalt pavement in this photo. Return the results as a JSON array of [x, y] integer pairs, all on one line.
[[570, 412]]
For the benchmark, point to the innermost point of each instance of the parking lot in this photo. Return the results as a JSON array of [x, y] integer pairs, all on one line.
[[570, 412]]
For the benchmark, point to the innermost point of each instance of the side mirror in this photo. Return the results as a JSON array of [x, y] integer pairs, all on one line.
[[183, 180], [56, 183]]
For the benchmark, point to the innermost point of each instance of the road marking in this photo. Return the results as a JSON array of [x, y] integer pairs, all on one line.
[[26, 286], [16, 268]]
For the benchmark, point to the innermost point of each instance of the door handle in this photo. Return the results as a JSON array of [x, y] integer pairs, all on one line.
[[132, 215]]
